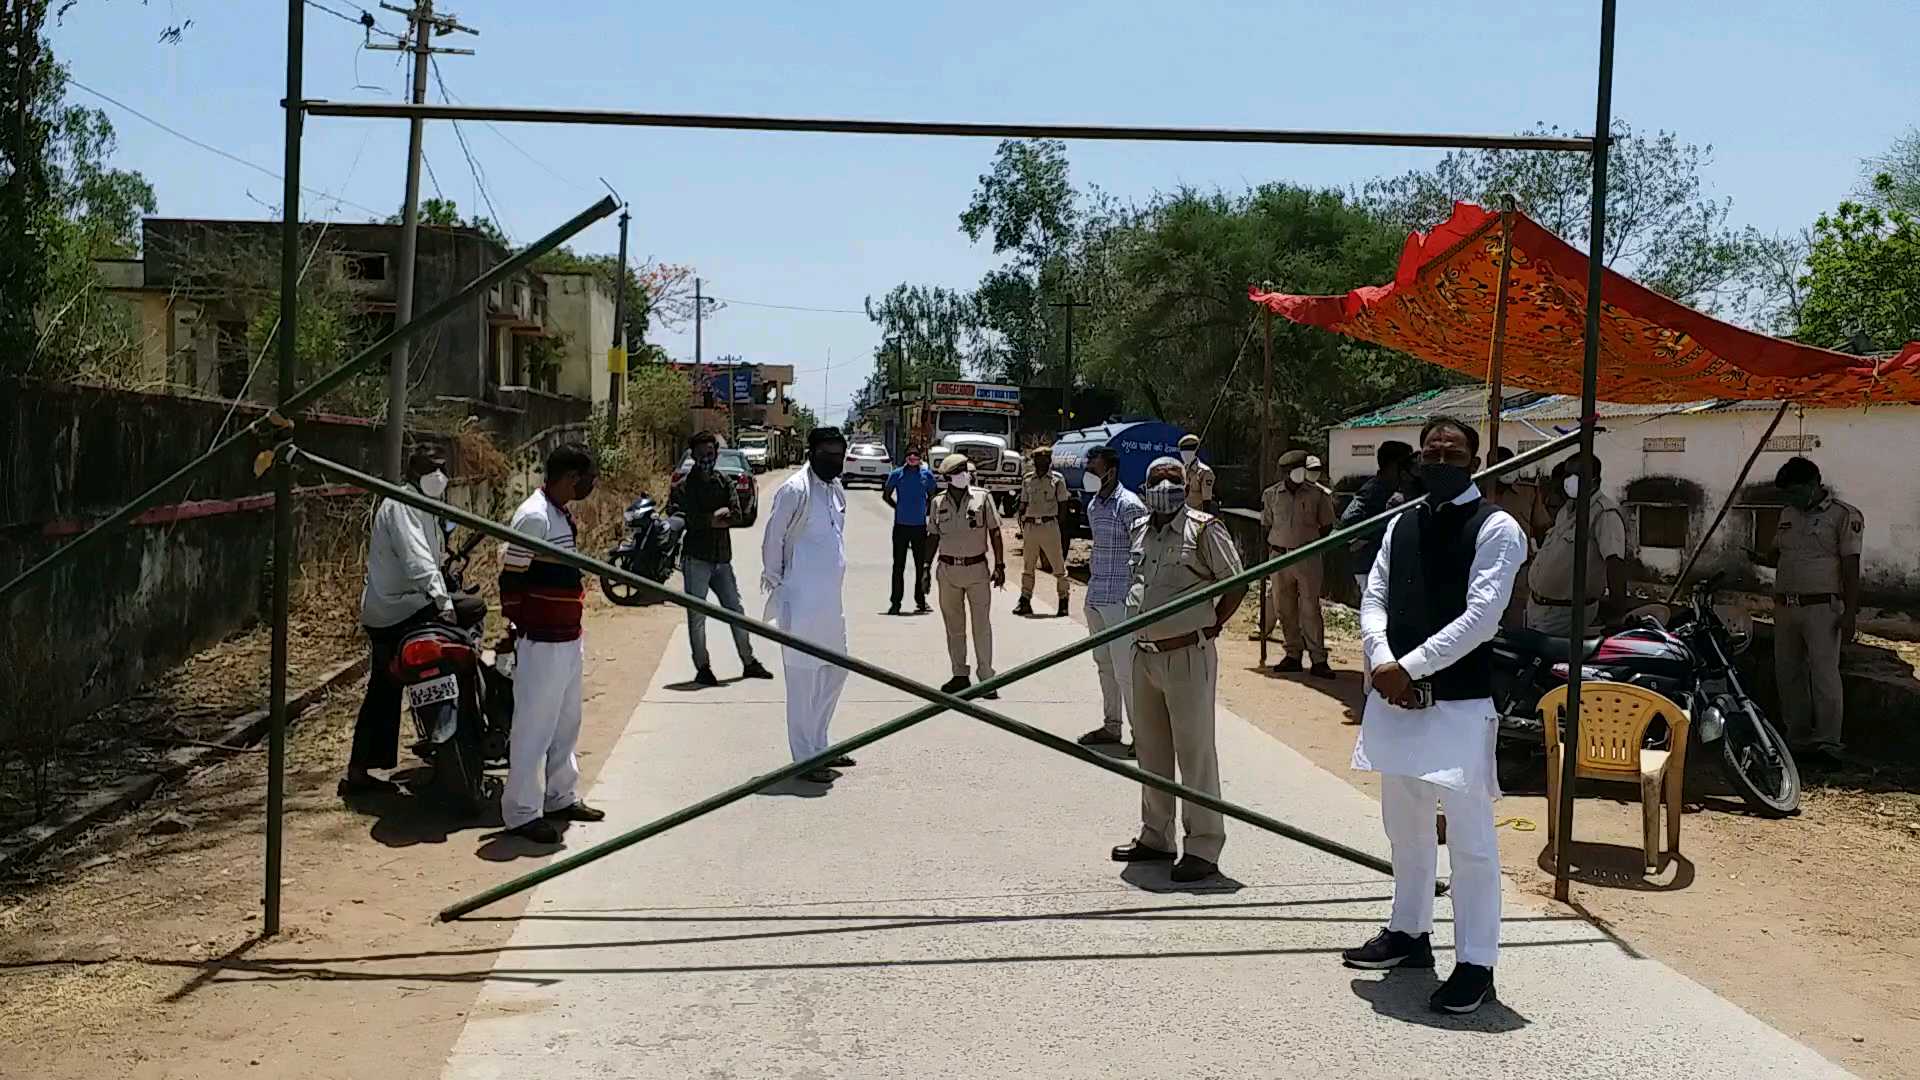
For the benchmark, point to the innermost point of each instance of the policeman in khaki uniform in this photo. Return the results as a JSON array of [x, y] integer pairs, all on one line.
[[1293, 513], [1175, 669], [1816, 607], [963, 523], [1199, 475], [1040, 498]]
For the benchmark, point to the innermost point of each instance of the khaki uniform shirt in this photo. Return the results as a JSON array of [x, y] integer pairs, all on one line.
[[1296, 518], [1523, 501], [1041, 495], [1551, 575], [1812, 543], [1193, 551], [1200, 480], [962, 530]]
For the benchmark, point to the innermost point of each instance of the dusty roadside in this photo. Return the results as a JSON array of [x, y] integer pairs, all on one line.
[[134, 955]]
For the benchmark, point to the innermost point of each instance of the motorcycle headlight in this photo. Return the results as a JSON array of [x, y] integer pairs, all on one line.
[[632, 516], [1712, 723]]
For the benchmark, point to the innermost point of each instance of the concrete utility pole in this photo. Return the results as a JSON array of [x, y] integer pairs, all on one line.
[[422, 24], [617, 380], [899, 406], [1066, 382]]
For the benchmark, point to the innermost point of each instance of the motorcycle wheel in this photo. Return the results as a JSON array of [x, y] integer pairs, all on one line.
[[620, 592], [1772, 790], [459, 776]]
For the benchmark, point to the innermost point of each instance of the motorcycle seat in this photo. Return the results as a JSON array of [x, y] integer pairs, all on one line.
[[1547, 646]]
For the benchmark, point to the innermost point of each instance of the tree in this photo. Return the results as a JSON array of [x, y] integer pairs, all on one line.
[[929, 327], [445, 214], [1663, 228], [1892, 180], [1862, 286], [31, 83], [804, 421], [1027, 204]]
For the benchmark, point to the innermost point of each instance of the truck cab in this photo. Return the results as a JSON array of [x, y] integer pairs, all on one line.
[[981, 421]]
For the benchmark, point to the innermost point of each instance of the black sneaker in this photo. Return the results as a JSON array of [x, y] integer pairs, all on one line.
[[1193, 868], [755, 670], [955, 684], [842, 763], [893, 609], [539, 830], [577, 811], [1322, 671], [1287, 666], [706, 677], [1390, 949], [1469, 987], [921, 608], [1063, 610], [1099, 736]]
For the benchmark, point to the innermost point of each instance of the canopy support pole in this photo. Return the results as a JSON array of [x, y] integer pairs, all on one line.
[[1589, 421], [1266, 456], [1727, 503], [1496, 353]]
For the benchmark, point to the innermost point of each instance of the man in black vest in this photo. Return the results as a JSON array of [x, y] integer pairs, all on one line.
[[1427, 620]]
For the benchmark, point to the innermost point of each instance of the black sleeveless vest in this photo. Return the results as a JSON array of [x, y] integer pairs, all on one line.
[[1430, 563]]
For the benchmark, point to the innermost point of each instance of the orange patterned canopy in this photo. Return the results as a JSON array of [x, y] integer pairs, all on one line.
[[1652, 349]]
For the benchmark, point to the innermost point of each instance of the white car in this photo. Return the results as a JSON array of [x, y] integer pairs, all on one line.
[[867, 463]]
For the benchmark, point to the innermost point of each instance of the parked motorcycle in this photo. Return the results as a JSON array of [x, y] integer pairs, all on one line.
[[1685, 653], [651, 549]]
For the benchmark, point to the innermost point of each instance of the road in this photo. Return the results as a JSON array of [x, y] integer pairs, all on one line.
[[948, 910]]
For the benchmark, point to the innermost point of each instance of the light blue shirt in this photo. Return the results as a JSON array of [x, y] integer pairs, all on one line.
[[911, 488]]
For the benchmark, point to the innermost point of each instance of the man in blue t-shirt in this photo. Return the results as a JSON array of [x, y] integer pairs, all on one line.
[[909, 489]]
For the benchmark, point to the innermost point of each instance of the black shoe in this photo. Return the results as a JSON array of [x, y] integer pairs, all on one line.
[[1193, 868], [1063, 610], [1135, 851], [539, 830], [1024, 607], [893, 609], [1469, 987], [366, 785], [578, 811], [755, 670], [1126, 751], [921, 608], [820, 776], [842, 763], [1287, 666], [1391, 949], [955, 684], [1322, 671], [1099, 737], [706, 677], [991, 695]]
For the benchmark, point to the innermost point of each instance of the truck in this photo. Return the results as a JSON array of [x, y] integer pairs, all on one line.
[[979, 420], [765, 447]]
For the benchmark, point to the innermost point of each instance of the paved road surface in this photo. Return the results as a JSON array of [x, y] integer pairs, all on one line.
[[948, 910]]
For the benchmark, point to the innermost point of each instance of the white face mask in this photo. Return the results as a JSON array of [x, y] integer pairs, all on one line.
[[1571, 485], [1091, 483], [1189, 456], [1298, 476], [434, 484], [960, 481], [1314, 475]]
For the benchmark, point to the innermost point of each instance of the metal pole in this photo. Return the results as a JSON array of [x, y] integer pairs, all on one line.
[[1066, 380], [411, 497], [617, 380], [283, 478], [315, 390], [409, 247], [383, 110], [1266, 456], [1589, 390], [899, 404], [1727, 503], [1496, 356]]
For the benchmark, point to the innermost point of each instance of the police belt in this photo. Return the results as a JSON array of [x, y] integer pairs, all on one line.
[[1804, 599], [963, 560], [1038, 520], [1546, 601], [1175, 644]]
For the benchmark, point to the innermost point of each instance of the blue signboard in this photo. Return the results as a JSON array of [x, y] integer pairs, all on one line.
[[732, 386]]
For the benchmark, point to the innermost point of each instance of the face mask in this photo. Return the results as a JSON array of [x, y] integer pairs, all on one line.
[[960, 481], [434, 484], [913, 461], [1189, 456], [1571, 485], [1091, 482], [1445, 482], [1165, 497], [827, 467], [1297, 476], [705, 459], [1042, 467], [1802, 498]]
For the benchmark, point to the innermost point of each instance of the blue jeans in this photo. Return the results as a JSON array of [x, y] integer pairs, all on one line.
[[702, 575]]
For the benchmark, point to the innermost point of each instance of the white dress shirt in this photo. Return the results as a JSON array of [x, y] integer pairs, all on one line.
[[403, 568], [1450, 743]]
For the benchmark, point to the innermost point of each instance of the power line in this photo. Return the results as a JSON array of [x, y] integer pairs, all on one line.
[[792, 307], [479, 181], [495, 128], [365, 20], [236, 159]]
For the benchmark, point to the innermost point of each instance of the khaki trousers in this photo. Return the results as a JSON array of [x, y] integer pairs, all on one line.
[[1294, 595], [1042, 538], [1806, 661], [1173, 711], [964, 589]]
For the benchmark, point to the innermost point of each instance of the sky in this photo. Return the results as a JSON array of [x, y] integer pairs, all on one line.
[[1791, 98]]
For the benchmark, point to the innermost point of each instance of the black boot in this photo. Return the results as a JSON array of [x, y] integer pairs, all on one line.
[[1062, 613], [1024, 607]]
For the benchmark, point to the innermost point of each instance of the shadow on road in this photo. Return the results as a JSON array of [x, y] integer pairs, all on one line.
[[1402, 995], [1617, 866], [1158, 878]]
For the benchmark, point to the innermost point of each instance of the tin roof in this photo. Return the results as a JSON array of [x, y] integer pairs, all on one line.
[[1462, 401]]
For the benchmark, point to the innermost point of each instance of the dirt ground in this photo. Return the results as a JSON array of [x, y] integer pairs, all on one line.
[[136, 953], [1799, 921]]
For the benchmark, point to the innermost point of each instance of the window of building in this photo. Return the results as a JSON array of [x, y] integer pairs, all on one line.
[[1761, 521], [364, 267], [230, 357], [1662, 525], [1362, 449]]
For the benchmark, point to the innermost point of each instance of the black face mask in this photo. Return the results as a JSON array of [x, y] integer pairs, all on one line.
[[828, 466], [1445, 482]]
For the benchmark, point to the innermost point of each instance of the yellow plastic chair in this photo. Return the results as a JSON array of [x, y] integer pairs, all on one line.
[[1614, 718]]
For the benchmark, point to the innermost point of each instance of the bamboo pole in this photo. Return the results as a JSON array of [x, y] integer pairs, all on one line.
[[1727, 503], [1496, 351], [1266, 459]]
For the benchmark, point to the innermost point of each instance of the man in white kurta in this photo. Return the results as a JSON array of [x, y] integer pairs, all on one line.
[[804, 565], [1443, 749]]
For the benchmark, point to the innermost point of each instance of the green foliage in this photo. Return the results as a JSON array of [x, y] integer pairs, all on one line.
[[1892, 180], [605, 267], [1027, 204], [804, 421], [1862, 287], [927, 329], [445, 213]]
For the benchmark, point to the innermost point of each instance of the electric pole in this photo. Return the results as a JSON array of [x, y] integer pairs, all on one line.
[[422, 24], [617, 359], [1066, 383], [899, 406]]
